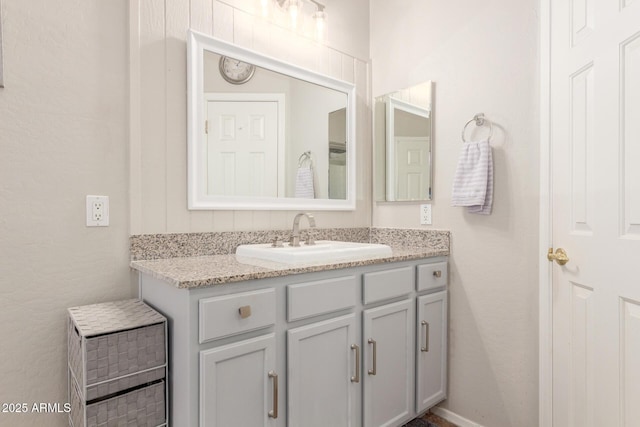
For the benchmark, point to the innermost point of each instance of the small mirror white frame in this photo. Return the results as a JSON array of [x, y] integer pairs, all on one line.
[[198, 199], [393, 105]]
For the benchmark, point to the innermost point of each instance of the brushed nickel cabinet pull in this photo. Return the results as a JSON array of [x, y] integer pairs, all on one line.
[[426, 336], [437, 274], [274, 412], [356, 378], [375, 351], [245, 311]]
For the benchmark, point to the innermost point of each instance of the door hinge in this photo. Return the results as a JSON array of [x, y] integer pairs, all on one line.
[[206, 127]]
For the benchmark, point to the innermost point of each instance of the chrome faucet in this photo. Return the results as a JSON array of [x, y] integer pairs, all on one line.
[[295, 233]]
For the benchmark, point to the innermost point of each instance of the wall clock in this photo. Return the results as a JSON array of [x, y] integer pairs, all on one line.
[[235, 71]]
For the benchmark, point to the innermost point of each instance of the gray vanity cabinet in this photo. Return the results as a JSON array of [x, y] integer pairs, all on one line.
[[322, 374], [388, 335], [431, 350], [330, 348], [236, 383]]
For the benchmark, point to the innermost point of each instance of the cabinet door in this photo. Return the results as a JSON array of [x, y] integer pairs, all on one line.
[[431, 350], [323, 383], [237, 384], [388, 340]]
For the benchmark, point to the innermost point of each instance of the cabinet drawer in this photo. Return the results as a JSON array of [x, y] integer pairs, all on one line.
[[236, 313], [432, 276], [387, 284], [324, 296]]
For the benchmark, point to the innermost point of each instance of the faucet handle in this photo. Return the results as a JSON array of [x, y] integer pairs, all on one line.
[[310, 240], [276, 243]]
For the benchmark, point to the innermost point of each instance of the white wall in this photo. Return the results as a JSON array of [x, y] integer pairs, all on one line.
[[482, 58], [158, 107], [63, 135]]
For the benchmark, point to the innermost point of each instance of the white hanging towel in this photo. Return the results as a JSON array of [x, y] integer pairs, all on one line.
[[473, 181], [304, 183]]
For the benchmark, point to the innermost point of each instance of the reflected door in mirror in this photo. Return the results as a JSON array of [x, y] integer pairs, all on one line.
[[242, 148], [412, 168]]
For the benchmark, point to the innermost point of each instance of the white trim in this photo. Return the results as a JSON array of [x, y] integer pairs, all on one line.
[[454, 418], [135, 138], [545, 312], [1, 73], [197, 43]]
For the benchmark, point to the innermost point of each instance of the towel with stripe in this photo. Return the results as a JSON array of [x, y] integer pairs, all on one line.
[[304, 183], [473, 181]]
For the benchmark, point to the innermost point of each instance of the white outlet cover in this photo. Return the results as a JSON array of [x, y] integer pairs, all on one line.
[[425, 214], [97, 211]]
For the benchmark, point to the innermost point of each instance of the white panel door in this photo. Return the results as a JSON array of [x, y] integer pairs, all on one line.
[[323, 384], [242, 148], [236, 387], [389, 380], [431, 350], [412, 168], [595, 139]]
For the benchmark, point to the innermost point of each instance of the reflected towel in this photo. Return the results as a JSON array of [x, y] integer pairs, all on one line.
[[473, 181], [304, 183]]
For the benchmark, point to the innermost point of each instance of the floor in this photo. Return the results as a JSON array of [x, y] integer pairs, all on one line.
[[440, 422]]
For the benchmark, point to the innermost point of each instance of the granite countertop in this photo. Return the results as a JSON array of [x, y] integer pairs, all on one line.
[[202, 271]]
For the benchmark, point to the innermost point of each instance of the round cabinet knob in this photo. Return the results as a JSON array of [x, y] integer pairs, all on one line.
[[437, 274]]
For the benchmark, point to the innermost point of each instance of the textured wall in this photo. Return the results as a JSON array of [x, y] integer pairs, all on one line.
[[158, 109], [63, 135], [482, 59]]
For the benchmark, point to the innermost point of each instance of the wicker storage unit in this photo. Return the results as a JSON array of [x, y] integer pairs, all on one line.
[[117, 365]]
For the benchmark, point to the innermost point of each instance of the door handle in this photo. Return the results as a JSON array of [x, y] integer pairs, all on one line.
[[274, 412], [375, 356], [560, 256], [356, 378]]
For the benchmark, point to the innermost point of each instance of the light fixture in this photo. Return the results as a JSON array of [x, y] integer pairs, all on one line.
[[296, 8], [320, 18], [265, 7]]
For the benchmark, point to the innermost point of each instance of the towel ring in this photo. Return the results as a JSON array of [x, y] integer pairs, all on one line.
[[479, 119], [305, 157]]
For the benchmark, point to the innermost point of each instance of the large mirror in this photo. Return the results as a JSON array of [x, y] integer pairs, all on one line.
[[403, 144], [264, 134]]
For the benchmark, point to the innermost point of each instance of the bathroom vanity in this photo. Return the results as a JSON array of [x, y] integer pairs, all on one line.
[[359, 343]]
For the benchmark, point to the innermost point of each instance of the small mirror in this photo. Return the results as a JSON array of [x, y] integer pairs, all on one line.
[[403, 144], [264, 134]]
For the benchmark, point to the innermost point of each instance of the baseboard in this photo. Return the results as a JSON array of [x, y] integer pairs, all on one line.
[[454, 418]]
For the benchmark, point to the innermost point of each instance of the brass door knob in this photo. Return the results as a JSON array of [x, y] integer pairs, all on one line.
[[560, 256]]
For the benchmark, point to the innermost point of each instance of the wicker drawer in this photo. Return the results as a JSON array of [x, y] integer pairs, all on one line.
[[145, 406], [116, 346]]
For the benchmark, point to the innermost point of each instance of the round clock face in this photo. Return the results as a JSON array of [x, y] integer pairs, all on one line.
[[236, 72]]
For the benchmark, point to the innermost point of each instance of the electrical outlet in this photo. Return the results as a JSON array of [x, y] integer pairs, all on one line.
[[425, 214], [97, 211]]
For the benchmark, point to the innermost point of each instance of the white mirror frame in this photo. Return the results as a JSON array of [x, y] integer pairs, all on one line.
[[197, 44]]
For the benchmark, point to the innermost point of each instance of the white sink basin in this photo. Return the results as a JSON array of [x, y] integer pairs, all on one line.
[[324, 251]]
